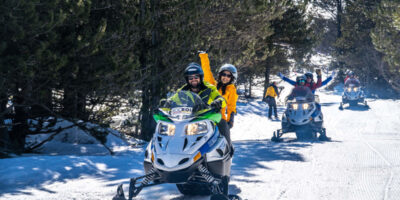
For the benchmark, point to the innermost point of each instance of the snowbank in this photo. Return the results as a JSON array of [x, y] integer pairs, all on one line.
[[73, 140]]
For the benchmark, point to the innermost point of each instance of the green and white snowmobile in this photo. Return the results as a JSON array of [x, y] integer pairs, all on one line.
[[186, 149]]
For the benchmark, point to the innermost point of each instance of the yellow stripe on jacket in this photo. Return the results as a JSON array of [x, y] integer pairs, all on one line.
[[230, 95]]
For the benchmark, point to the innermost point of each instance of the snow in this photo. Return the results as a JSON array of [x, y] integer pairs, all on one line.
[[361, 162]]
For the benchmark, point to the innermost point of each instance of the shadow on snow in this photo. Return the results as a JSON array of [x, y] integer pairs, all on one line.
[[356, 108], [39, 171], [252, 154]]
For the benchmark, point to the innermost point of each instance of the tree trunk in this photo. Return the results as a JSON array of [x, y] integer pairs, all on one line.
[[146, 126], [339, 18], [70, 102], [5, 143], [250, 85], [81, 106], [20, 129], [266, 74], [155, 87]]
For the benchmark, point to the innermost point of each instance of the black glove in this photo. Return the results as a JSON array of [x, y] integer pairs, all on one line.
[[216, 104], [231, 120], [318, 72]]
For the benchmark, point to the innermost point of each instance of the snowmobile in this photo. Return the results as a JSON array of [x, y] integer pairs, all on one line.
[[303, 117], [186, 149], [352, 95]]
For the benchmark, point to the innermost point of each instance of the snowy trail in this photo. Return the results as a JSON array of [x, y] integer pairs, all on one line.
[[361, 162]]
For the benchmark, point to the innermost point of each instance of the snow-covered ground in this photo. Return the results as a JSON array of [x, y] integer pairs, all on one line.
[[361, 162]]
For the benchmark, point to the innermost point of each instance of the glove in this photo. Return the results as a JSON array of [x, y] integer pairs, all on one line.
[[333, 74], [201, 51], [280, 75], [318, 71], [231, 120], [216, 104]]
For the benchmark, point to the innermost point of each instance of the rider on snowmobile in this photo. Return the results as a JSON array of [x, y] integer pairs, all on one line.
[[310, 80], [227, 75], [302, 90], [351, 79], [194, 76]]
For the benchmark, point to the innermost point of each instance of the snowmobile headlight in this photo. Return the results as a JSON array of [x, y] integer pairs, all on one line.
[[295, 106], [348, 89], [196, 128], [166, 129], [305, 106], [355, 89]]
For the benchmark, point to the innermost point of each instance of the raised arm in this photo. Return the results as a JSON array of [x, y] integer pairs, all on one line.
[[319, 82], [231, 101], [205, 65], [291, 82], [326, 81]]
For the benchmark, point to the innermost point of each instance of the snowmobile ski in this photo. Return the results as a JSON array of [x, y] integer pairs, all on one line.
[[224, 197]]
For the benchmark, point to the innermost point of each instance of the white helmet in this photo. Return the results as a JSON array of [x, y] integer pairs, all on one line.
[[230, 68]]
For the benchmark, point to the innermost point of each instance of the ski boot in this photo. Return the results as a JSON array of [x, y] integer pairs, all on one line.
[[322, 136]]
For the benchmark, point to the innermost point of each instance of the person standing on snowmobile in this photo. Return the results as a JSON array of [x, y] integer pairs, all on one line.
[[310, 80], [270, 94], [227, 75], [194, 77]]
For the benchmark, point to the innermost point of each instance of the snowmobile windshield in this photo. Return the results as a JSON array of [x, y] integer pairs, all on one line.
[[183, 105]]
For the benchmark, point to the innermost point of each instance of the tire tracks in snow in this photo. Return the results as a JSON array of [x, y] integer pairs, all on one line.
[[390, 179], [381, 156]]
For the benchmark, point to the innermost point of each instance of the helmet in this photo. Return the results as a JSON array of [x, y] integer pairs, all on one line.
[[350, 73], [301, 77], [229, 67], [194, 68], [309, 75]]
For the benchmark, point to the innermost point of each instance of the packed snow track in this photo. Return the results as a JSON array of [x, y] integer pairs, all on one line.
[[361, 162]]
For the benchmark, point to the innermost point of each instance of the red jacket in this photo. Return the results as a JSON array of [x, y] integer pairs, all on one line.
[[313, 86], [345, 79]]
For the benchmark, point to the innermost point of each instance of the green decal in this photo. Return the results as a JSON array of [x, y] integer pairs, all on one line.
[[159, 117], [215, 117]]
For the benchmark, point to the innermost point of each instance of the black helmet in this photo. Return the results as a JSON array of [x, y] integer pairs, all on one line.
[[309, 75], [194, 68], [301, 78]]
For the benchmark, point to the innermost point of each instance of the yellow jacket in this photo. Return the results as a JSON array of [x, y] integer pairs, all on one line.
[[271, 92], [230, 95]]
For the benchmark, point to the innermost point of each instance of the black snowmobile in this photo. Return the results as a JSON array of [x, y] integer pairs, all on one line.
[[353, 94], [303, 117], [187, 150]]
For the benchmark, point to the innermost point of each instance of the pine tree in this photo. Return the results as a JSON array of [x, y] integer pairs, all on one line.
[[386, 39], [355, 47], [25, 61]]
